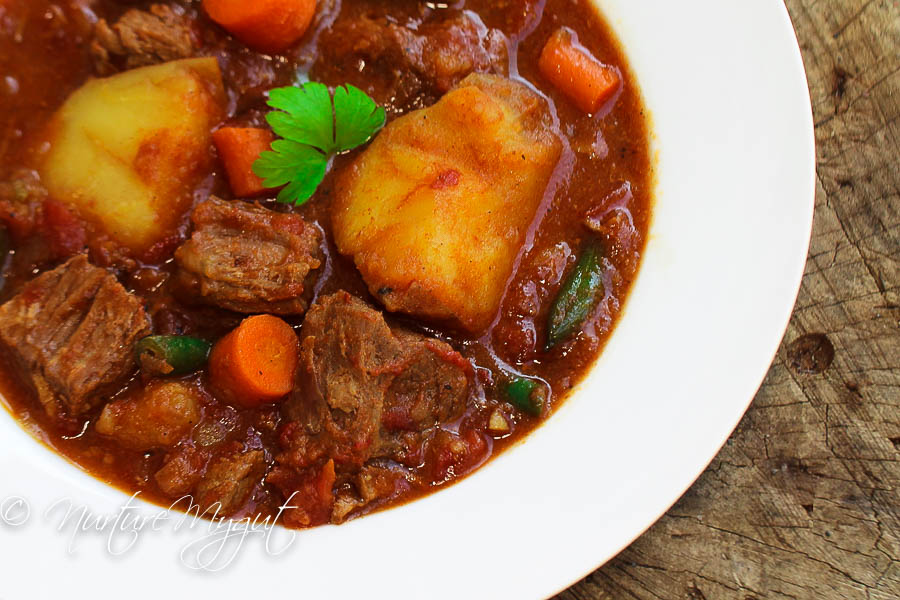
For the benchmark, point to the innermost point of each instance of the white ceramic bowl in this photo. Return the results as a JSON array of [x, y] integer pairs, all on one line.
[[733, 130]]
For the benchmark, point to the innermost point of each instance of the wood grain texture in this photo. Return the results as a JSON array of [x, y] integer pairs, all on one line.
[[804, 500]]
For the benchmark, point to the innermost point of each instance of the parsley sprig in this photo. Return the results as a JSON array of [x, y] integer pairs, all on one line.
[[314, 127]]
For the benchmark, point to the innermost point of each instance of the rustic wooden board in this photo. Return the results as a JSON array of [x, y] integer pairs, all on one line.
[[804, 500]]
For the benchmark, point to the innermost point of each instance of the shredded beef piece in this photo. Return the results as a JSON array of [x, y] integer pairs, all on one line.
[[229, 481], [309, 494], [612, 220], [410, 67], [141, 38], [373, 483], [74, 328], [364, 382], [248, 259], [366, 391], [181, 471]]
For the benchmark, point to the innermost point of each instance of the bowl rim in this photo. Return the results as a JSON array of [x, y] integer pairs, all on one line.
[[58, 466]]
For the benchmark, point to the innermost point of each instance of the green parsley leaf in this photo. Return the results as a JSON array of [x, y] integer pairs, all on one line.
[[300, 167], [314, 128], [357, 116], [306, 116]]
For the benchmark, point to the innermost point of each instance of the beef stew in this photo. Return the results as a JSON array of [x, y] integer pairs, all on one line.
[[469, 239]]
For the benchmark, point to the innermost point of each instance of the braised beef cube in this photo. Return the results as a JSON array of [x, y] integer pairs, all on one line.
[[612, 219], [457, 47], [308, 492], [363, 385], [157, 416], [372, 484], [74, 329], [181, 471], [452, 454], [406, 68], [141, 38], [528, 299], [622, 240], [430, 389], [229, 481], [248, 259]]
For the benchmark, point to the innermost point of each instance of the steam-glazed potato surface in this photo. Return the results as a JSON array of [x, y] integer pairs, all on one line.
[[435, 211], [127, 152]]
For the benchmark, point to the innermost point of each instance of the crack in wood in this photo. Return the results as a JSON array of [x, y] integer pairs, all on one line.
[[803, 502]]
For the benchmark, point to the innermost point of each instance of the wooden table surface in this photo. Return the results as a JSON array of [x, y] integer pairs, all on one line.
[[804, 500]]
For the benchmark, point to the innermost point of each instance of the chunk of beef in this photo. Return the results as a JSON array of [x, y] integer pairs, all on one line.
[[181, 471], [452, 454], [516, 17], [308, 492], [528, 299], [158, 417], [364, 384], [141, 38], [405, 67], [374, 483], [229, 481], [74, 328], [248, 259], [612, 220]]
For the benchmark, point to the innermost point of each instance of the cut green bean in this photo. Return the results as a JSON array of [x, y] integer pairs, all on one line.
[[528, 395], [578, 296], [171, 354]]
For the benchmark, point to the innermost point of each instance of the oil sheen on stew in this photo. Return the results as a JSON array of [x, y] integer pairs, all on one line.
[[169, 326]]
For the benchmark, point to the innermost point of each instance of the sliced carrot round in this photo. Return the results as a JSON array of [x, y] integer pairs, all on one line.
[[256, 363]]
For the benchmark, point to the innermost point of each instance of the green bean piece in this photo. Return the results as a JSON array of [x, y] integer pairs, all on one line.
[[579, 294], [172, 354], [528, 395]]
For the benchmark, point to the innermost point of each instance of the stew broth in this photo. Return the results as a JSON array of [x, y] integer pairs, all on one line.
[[605, 165]]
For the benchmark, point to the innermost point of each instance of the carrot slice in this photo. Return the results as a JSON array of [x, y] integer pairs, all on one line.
[[575, 72], [326, 482], [239, 147], [270, 26], [256, 363]]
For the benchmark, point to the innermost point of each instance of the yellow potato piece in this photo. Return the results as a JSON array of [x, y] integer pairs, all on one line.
[[436, 210], [126, 152]]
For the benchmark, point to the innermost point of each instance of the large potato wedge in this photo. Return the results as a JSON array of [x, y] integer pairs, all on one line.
[[126, 152], [435, 211]]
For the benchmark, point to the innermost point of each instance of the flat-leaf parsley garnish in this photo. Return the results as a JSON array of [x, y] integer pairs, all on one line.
[[314, 126]]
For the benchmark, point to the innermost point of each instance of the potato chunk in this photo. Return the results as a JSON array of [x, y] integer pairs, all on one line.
[[126, 152], [435, 211], [157, 417]]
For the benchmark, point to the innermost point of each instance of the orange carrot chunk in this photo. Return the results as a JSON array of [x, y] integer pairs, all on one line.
[[575, 72], [239, 147], [270, 26], [326, 482], [256, 363]]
